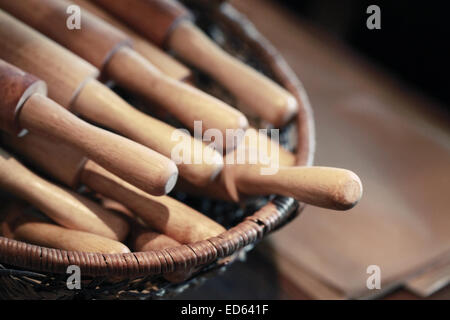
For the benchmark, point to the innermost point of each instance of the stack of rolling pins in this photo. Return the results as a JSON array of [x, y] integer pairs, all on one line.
[[53, 100]]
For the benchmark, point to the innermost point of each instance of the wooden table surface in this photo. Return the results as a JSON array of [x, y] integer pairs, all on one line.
[[339, 82], [259, 278]]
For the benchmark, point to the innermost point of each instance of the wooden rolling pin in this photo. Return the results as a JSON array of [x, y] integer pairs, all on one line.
[[169, 24], [24, 105], [162, 214], [110, 50], [331, 188], [71, 82], [152, 53], [65, 207], [22, 226]]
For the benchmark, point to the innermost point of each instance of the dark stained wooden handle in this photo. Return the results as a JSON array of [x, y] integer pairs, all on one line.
[[16, 86], [153, 18]]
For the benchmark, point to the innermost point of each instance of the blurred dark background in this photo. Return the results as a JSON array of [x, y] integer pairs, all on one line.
[[413, 42]]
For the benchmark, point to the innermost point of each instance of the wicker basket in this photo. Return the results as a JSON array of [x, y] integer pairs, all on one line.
[[33, 272]]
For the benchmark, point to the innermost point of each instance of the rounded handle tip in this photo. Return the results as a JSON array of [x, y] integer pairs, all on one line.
[[349, 191], [290, 107], [242, 122], [171, 181]]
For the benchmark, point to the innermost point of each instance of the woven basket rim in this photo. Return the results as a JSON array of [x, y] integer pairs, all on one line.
[[186, 257]]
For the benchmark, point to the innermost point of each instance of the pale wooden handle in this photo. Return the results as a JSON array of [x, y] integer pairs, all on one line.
[[65, 207], [135, 163], [331, 188], [99, 104], [260, 94], [163, 214], [164, 62], [185, 102], [224, 188], [22, 227]]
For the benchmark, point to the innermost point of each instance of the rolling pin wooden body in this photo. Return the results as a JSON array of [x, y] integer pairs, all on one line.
[[22, 226], [163, 214], [24, 105], [110, 50], [65, 207], [71, 83], [167, 23], [331, 188], [159, 58]]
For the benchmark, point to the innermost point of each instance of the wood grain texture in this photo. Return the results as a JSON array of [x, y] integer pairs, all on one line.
[[325, 187], [153, 18], [25, 227], [152, 53], [259, 166], [65, 207], [84, 95], [172, 21], [32, 52], [101, 105], [95, 41], [163, 214], [147, 169], [262, 96], [185, 102], [61, 161], [16, 87]]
